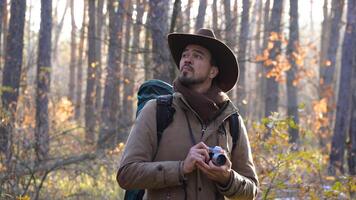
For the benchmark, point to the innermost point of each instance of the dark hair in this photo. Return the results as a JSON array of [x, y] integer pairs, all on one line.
[[213, 61]]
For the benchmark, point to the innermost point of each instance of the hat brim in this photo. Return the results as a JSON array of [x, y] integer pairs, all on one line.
[[223, 55]]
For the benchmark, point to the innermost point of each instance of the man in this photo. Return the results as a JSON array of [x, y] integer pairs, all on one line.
[[180, 167]]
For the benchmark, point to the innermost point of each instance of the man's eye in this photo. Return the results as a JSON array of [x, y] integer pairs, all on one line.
[[197, 56]]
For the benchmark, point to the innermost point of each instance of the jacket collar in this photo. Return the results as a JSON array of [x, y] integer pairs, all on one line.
[[227, 112]]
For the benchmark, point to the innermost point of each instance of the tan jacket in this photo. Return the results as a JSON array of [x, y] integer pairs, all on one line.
[[163, 178]]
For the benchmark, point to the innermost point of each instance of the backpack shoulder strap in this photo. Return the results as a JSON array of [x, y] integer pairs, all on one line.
[[164, 114], [234, 128]]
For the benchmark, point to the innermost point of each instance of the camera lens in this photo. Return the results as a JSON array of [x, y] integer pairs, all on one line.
[[217, 156], [219, 160]]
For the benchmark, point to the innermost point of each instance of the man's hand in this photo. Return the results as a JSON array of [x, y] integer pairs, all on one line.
[[220, 174], [198, 154]]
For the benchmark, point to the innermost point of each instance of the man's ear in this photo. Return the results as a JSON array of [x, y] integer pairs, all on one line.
[[214, 71]]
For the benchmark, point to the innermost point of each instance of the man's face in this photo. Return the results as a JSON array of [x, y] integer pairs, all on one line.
[[195, 66]]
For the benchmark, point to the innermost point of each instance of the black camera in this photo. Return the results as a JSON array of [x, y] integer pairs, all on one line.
[[217, 156]]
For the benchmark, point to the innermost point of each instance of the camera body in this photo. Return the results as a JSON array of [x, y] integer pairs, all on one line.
[[217, 155]]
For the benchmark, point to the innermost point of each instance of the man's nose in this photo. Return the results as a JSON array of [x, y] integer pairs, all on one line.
[[188, 60]]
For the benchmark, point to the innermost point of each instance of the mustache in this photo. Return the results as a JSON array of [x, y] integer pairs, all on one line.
[[189, 66]]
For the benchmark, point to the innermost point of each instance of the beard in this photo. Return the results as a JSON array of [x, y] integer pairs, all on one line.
[[188, 81]]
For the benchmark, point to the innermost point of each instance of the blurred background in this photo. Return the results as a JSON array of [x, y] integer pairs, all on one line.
[[70, 71]]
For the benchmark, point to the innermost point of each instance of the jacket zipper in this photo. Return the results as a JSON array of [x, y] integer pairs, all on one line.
[[203, 129]]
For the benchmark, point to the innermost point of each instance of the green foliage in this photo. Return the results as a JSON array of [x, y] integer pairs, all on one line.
[[288, 170], [95, 182], [285, 170]]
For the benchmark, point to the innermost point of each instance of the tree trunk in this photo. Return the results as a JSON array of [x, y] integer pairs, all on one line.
[[234, 21], [215, 19], [129, 80], [257, 103], [311, 17], [78, 89], [91, 72], [351, 148], [175, 14], [109, 135], [201, 15], [73, 55], [229, 31], [244, 32], [5, 17], [271, 96], [187, 20], [325, 35], [147, 55], [344, 107], [140, 9], [174, 19], [57, 32], [43, 81], [327, 72], [351, 153], [12, 74], [264, 70], [158, 15], [2, 6], [291, 74], [98, 43]]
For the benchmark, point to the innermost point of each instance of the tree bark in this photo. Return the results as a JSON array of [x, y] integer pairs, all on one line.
[[2, 6], [187, 20], [57, 32], [43, 81], [229, 31], [292, 96], [244, 32], [271, 96], [147, 56], [5, 27], [351, 154], [129, 79], [73, 48], [158, 15], [264, 70], [109, 135], [12, 74], [175, 14], [201, 15], [257, 103], [325, 35], [327, 72], [98, 48], [215, 19], [344, 106], [78, 88], [90, 121]]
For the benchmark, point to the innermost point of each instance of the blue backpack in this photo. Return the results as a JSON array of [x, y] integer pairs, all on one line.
[[163, 93]]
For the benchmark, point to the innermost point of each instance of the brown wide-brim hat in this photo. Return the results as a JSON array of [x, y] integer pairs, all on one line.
[[222, 54]]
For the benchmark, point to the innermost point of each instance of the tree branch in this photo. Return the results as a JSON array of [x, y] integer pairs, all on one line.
[[23, 169]]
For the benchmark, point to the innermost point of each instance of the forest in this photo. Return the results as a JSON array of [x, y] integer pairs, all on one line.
[[70, 72]]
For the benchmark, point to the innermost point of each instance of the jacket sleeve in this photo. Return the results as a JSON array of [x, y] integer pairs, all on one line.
[[243, 183], [136, 169]]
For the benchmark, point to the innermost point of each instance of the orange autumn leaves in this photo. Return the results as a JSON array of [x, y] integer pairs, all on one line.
[[281, 64]]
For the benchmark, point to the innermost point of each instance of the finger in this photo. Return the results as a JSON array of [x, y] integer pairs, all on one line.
[[197, 157], [203, 167], [203, 152], [201, 145], [217, 169]]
